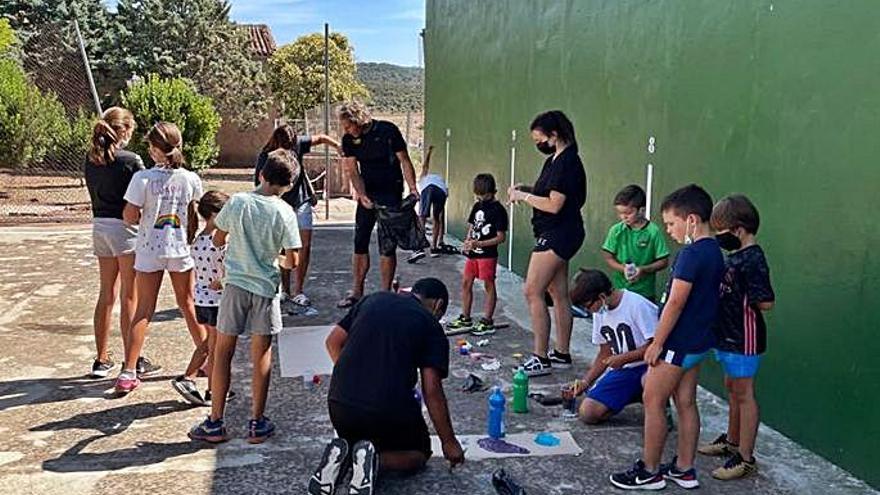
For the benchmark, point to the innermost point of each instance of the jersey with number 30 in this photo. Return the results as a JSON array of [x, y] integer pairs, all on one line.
[[628, 326]]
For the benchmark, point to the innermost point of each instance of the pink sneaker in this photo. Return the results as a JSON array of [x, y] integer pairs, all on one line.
[[126, 384]]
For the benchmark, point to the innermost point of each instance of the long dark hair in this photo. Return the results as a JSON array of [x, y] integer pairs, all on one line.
[[107, 134], [555, 121], [166, 137], [282, 137]]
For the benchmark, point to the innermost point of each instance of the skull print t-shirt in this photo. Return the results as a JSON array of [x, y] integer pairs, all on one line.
[[487, 219], [626, 327]]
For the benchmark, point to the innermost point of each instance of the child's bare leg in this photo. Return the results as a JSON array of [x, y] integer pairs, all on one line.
[[542, 267], [660, 382], [467, 295], [562, 307], [261, 357], [182, 283], [302, 267], [733, 410], [285, 281], [221, 372], [491, 298], [749, 416], [212, 344], [147, 287], [688, 417], [127, 295], [108, 269]]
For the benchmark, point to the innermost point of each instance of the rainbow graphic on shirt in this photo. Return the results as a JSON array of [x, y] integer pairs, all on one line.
[[169, 220]]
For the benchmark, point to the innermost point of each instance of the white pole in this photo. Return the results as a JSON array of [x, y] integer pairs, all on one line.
[[88, 67], [327, 183], [649, 180], [512, 210], [446, 215]]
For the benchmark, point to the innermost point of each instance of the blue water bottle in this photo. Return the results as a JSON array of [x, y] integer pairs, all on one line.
[[496, 413]]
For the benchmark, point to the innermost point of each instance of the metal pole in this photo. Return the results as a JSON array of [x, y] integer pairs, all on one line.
[[512, 210], [649, 180], [327, 120], [88, 67], [446, 214]]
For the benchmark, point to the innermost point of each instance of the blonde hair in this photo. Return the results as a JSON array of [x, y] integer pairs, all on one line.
[[166, 137], [354, 112], [108, 133]]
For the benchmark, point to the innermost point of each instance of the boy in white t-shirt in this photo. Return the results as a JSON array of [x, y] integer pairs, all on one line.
[[163, 201], [623, 326], [433, 193]]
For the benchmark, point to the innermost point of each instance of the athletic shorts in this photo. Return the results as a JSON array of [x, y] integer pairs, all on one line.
[[618, 387], [682, 359], [243, 312], [432, 200], [364, 222], [207, 315], [305, 216], [111, 237], [388, 434], [565, 243], [481, 268], [150, 264], [738, 365]]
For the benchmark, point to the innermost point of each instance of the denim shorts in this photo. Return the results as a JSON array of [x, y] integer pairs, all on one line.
[[305, 216]]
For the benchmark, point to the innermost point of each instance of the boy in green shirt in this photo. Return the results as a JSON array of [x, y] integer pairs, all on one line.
[[634, 248]]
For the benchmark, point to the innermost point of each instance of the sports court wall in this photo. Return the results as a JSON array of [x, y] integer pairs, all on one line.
[[775, 99]]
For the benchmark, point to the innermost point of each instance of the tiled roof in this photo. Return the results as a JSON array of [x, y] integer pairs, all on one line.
[[262, 41]]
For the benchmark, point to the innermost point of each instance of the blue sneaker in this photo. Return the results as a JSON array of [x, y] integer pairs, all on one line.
[[209, 431], [685, 479], [260, 429], [638, 478]]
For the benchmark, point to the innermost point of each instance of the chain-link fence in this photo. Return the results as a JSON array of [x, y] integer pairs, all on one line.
[[44, 180]]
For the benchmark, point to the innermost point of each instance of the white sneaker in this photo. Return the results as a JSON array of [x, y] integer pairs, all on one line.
[[534, 366], [324, 481]]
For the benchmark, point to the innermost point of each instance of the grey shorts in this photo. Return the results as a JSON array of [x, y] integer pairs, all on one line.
[[243, 312], [111, 237], [304, 216]]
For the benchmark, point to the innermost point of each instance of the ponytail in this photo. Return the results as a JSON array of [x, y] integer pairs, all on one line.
[[166, 137], [107, 135]]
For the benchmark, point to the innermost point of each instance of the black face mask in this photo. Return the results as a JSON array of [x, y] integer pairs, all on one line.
[[728, 241], [546, 148]]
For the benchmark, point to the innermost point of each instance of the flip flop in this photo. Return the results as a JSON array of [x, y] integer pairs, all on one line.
[[348, 301]]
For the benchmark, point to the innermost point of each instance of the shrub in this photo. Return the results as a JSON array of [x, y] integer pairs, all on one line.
[[156, 99]]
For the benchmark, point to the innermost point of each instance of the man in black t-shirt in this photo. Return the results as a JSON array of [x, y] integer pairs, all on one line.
[[379, 349], [376, 160]]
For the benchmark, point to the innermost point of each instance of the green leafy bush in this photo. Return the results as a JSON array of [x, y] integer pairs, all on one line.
[[156, 99]]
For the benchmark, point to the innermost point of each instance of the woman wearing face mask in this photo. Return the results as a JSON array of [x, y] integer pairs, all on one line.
[[108, 170], [556, 199]]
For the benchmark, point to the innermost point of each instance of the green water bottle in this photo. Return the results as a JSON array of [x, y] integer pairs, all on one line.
[[520, 391]]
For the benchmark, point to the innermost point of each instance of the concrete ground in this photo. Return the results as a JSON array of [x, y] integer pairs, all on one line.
[[61, 433]]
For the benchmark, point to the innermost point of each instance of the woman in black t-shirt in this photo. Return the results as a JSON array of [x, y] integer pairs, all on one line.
[[556, 199], [108, 170]]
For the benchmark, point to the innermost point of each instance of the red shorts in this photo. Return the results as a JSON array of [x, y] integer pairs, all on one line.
[[480, 268]]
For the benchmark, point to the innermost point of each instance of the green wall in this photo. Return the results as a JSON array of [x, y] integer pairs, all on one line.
[[778, 100]]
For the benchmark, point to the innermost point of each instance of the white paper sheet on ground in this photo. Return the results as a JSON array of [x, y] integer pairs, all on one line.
[[567, 446], [301, 349]]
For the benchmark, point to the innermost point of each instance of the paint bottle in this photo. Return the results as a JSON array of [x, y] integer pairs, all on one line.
[[520, 391], [395, 285], [629, 270], [496, 413]]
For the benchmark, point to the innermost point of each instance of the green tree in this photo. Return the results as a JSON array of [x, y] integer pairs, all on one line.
[[195, 39], [296, 73], [175, 100]]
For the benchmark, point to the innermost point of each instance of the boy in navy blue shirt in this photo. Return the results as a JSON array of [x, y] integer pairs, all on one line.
[[742, 334], [682, 340]]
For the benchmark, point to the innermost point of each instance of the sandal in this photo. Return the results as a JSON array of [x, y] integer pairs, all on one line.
[[348, 301]]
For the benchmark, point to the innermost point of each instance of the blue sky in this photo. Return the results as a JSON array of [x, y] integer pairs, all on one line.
[[381, 30]]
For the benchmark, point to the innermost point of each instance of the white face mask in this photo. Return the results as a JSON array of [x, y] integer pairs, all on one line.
[[688, 238], [604, 307]]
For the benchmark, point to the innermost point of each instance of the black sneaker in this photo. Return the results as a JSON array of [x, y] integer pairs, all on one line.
[[364, 467], [537, 366], [504, 485], [101, 370], [436, 252], [189, 391], [638, 478], [685, 479], [146, 367], [559, 359], [324, 481], [416, 256]]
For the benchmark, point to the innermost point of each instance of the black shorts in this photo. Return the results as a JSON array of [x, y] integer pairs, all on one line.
[[365, 221], [388, 434], [565, 243], [207, 315], [432, 200]]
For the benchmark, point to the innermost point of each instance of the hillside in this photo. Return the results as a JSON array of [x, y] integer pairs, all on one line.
[[394, 88]]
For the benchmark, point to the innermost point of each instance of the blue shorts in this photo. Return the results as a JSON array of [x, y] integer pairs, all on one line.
[[432, 198], [618, 387], [681, 359], [738, 365]]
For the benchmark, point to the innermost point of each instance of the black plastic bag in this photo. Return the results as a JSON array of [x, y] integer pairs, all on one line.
[[401, 225]]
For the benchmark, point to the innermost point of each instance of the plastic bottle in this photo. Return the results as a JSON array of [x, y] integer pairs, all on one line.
[[629, 270], [520, 391], [496, 413]]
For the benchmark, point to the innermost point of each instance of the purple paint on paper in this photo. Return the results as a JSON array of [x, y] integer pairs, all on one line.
[[501, 447]]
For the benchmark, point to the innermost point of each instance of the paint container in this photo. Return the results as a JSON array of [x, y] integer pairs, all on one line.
[[569, 401]]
